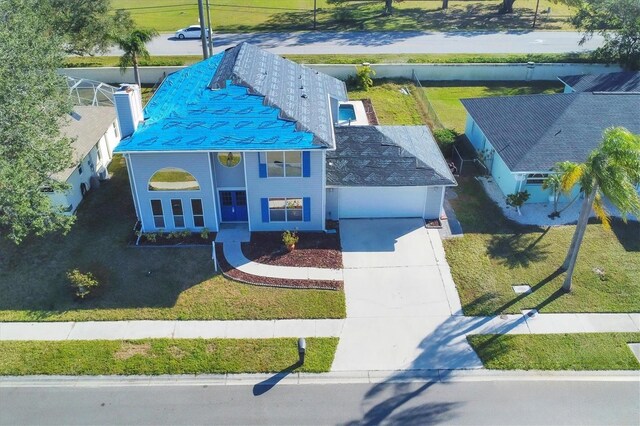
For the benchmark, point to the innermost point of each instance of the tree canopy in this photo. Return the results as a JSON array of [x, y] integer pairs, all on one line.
[[86, 26], [618, 21], [33, 99], [134, 47]]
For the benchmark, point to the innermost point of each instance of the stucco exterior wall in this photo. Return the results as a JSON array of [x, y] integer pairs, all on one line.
[[292, 187], [198, 164]]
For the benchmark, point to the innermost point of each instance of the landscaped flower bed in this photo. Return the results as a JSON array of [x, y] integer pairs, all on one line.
[[172, 239], [235, 274], [313, 249]]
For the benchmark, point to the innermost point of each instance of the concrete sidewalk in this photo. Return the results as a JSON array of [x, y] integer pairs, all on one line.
[[452, 325], [232, 239]]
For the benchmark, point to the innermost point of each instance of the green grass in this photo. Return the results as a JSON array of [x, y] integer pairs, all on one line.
[[603, 351], [162, 356], [445, 97], [291, 15], [391, 105], [182, 284], [495, 254], [433, 58]]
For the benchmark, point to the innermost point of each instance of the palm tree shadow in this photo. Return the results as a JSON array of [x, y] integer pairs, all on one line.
[[266, 385], [518, 249]]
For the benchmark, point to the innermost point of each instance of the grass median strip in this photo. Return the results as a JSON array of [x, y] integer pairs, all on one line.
[[436, 58], [601, 351], [162, 356]]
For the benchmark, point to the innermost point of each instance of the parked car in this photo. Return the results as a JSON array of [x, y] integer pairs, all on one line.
[[192, 31]]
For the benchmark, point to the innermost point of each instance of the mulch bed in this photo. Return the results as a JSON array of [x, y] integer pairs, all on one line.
[[371, 113], [165, 241], [314, 249], [237, 275]]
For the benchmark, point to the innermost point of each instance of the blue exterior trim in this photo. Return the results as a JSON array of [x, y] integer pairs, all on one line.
[[306, 209], [262, 170], [306, 164], [264, 202]]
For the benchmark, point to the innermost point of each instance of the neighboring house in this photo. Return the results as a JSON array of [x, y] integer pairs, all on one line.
[[627, 81], [247, 136], [521, 138], [95, 135]]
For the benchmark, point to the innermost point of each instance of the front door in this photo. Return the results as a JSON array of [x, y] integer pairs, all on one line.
[[233, 206]]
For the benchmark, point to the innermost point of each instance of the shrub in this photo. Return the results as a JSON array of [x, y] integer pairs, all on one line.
[[82, 283], [290, 239], [151, 237], [445, 138], [185, 234], [518, 199], [364, 77], [204, 234], [173, 235]]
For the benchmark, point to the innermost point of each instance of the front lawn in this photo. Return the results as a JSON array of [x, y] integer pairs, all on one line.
[[163, 356], [140, 283], [445, 96], [495, 254], [601, 351]]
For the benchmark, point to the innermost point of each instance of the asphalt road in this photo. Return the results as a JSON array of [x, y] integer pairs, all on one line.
[[553, 402], [385, 42]]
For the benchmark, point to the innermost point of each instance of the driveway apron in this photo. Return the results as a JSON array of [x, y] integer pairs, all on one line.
[[402, 305]]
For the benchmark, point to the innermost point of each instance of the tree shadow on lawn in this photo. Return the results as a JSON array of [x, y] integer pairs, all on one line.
[[518, 250], [33, 275], [628, 234]]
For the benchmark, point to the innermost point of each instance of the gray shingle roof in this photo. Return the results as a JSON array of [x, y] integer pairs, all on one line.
[[533, 132], [386, 156], [86, 126], [627, 81], [301, 94]]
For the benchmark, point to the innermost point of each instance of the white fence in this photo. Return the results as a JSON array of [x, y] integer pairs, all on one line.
[[435, 72]]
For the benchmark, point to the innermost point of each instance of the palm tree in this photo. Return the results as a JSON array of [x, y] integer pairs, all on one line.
[[134, 46], [613, 171], [553, 182]]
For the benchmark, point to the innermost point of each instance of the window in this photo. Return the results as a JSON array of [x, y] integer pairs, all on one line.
[[158, 216], [229, 159], [172, 179], [284, 164], [285, 209], [115, 130], [198, 213], [178, 215], [80, 169], [99, 152], [536, 178]]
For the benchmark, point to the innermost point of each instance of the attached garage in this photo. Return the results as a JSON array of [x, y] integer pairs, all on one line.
[[381, 202], [385, 171]]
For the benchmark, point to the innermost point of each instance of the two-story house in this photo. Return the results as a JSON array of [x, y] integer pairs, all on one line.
[[248, 136]]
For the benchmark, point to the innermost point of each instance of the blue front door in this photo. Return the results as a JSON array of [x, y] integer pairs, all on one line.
[[233, 206]]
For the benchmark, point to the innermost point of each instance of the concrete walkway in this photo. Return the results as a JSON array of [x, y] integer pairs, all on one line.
[[232, 239], [460, 325]]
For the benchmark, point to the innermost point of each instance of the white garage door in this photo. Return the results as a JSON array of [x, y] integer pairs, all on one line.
[[365, 202]]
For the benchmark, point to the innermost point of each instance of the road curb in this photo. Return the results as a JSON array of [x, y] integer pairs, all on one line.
[[346, 377]]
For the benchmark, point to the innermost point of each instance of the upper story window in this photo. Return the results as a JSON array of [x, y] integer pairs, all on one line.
[[536, 178], [173, 179], [284, 164], [229, 159]]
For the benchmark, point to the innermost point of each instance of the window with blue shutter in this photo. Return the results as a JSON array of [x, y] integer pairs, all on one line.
[[262, 167], [264, 202], [306, 164], [306, 209]]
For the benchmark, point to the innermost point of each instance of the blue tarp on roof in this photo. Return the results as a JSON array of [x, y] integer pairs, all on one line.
[[185, 115]]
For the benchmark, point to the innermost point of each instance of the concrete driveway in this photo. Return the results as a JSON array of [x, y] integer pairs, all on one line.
[[400, 298]]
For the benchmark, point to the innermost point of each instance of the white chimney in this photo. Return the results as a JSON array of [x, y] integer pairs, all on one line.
[[128, 102]]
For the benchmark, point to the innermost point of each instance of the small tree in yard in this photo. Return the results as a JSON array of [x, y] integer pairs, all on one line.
[[364, 77], [612, 171], [517, 200], [82, 283], [553, 182], [134, 46]]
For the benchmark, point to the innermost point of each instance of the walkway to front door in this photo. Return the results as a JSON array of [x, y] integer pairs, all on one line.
[[233, 206]]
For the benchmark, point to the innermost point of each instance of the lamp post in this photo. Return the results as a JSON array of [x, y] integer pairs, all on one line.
[[203, 31]]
